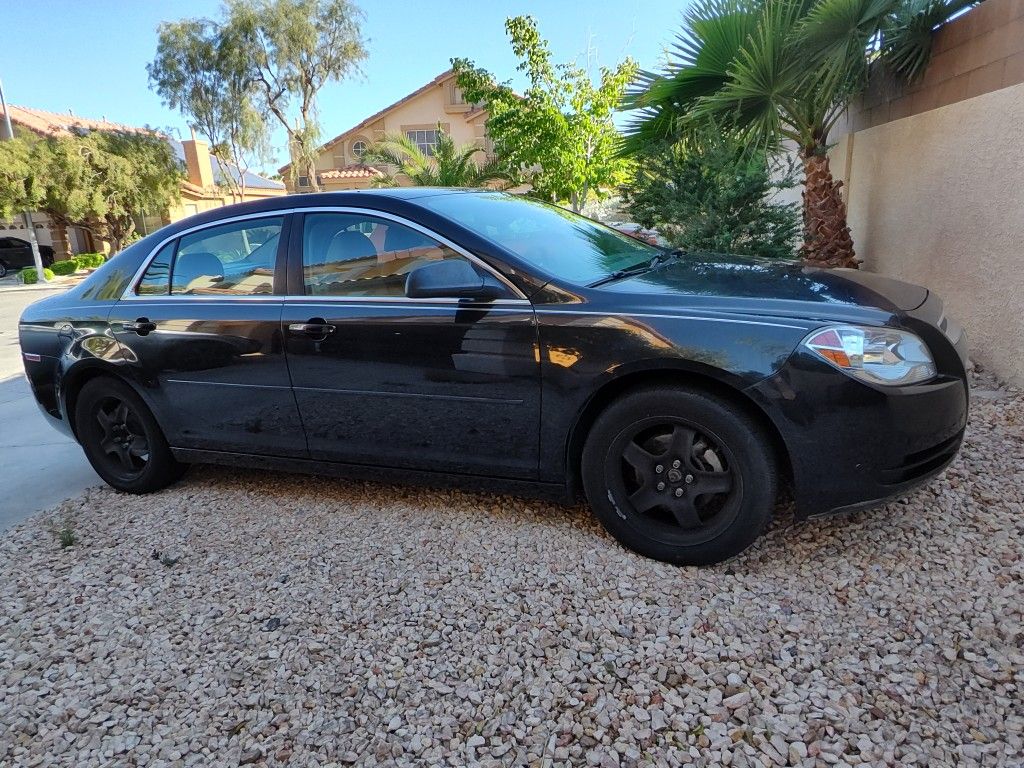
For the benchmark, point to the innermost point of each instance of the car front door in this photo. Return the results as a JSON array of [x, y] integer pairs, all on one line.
[[379, 378], [202, 331]]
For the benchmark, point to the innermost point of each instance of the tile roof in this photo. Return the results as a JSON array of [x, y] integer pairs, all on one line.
[[352, 172], [58, 124]]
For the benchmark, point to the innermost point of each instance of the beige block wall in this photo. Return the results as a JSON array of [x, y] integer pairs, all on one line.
[[937, 198]]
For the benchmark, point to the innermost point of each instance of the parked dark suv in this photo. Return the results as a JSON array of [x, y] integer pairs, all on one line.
[[16, 253]]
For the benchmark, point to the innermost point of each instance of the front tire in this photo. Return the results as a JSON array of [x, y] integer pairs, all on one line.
[[3, 270], [121, 439], [680, 476]]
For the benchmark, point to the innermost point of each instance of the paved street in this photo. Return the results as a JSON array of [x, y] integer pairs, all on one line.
[[38, 466]]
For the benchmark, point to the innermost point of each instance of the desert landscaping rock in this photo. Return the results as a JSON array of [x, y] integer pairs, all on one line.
[[311, 621]]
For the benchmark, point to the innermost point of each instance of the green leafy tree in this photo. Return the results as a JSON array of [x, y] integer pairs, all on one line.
[[296, 47], [20, 186], [204, 70], [785, 70], [714, 195], [560, 131], [96, 181], [450, 165]]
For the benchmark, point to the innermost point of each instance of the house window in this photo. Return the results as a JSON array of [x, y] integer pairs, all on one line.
[[457, 97], [359, 149], [425, 140], [303, 181]]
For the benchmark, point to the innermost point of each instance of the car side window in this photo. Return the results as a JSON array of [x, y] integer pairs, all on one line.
[[156, 281], [236, 259], [348, 254]]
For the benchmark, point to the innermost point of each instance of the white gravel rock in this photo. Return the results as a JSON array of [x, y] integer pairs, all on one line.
[[310, 621]]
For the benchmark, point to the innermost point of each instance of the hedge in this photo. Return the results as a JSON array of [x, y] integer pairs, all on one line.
[[90, 260], [65, 267], [30, 276]]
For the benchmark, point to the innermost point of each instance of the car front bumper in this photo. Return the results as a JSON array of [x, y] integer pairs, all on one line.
[[853, 445]]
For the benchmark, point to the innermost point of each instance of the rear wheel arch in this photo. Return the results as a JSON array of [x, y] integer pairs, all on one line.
[[77, 378], [637, 380]]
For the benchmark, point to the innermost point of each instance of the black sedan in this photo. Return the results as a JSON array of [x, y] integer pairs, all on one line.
[[499, 342], [16, 253]]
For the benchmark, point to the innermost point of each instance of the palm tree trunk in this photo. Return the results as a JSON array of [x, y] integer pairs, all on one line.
[[827, 241]]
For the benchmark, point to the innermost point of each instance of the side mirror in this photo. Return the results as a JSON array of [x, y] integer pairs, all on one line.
[[450, 279]]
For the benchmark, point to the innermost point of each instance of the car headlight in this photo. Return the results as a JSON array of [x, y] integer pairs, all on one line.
[[875, 355]]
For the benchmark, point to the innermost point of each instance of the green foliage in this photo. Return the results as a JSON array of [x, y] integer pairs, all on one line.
[[449, 166], [65, 267], [203, 69], [67, 536], [20, 188], [560, 131], [31, 277], [90, 260], [779, 69], [295, 47], [96, 181], [713, 195]]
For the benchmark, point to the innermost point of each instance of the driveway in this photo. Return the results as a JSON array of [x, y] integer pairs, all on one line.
[[39, 467], [254, 618]]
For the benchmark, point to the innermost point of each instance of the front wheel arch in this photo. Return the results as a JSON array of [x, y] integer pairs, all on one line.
[[618, 387]]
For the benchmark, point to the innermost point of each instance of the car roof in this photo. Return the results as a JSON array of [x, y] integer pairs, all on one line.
[[388, 199]]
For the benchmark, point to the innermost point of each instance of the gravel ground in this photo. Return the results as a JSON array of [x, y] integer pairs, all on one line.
[[281, 620]]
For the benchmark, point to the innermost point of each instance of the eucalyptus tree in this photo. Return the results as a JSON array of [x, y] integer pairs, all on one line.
[[203, 69]]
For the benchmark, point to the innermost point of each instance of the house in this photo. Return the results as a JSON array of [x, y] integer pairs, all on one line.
[[202, 188], [339, 162]]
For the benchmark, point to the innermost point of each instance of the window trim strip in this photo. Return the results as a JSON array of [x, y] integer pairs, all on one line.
[[130, 294]]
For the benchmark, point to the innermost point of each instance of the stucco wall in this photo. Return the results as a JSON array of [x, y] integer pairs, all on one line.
[[938, 198]]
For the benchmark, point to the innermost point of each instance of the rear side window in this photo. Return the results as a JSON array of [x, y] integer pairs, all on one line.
[[236, 259], [157, 279]]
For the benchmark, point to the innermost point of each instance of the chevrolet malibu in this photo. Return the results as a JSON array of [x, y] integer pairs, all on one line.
[[474, 337]]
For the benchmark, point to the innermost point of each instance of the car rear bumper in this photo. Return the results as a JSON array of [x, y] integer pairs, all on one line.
[[852, 445]]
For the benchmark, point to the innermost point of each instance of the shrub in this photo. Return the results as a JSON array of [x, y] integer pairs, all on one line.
[[65, 267], [714, 195], [30, 276], [91, 260]]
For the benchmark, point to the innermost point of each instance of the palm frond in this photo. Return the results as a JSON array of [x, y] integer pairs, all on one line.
[[908, 32]]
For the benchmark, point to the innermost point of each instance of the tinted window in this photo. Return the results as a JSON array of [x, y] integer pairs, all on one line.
[[345, 254], [556, 241], [156, 281], [235, 259]]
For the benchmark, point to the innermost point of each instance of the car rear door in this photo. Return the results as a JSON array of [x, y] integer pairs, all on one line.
[[201, 330], [425, 384]]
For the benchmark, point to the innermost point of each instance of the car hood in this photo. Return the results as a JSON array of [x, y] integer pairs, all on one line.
[[750, 284]]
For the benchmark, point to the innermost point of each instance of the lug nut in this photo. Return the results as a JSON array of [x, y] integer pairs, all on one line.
[[675, 464], [689, 478], [661, 486], [679, 492], [659, 469]]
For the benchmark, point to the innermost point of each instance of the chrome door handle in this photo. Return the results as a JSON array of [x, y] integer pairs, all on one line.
[[141, 326], [311, 329]]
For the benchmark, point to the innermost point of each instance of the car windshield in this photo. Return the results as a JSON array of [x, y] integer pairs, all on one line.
[[557, 242]]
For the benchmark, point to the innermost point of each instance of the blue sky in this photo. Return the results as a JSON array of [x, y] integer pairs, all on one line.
[[90, 56]]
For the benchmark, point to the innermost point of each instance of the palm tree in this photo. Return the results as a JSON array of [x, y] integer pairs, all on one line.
[[448, 166], [775, 71]]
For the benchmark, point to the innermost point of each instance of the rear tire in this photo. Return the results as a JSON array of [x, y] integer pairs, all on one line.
[[3, 269], [121, 439], [680, 476]]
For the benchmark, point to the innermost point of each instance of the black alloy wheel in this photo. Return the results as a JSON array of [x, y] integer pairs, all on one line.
[[675, 476], [121, 438], [678, 475]]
